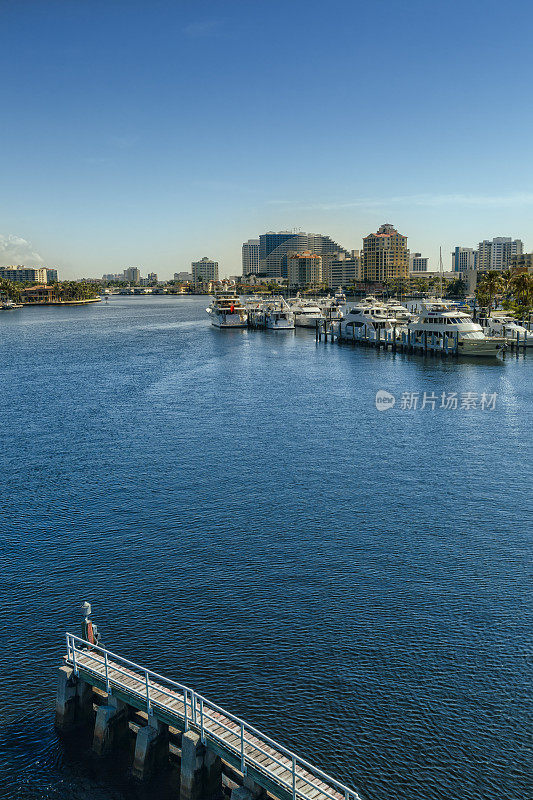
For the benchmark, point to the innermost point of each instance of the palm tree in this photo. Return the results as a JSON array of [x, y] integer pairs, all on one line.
[[489, 287], [522, 289]]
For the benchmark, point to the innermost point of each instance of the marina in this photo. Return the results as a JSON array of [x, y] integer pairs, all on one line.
[[432, 326]]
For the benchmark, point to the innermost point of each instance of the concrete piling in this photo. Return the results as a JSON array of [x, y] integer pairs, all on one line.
[[111, 727], [73, 700], [201, 770], [151, 749]]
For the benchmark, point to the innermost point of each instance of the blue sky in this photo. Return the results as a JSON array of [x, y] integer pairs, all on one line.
[[153, 133]]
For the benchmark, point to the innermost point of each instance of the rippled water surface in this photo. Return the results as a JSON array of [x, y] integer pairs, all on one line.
[[243, 519]]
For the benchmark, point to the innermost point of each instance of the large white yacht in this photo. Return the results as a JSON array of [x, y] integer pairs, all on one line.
[[331, 310], [306, 312], [340, 297], [442, 321], [275, 314], [367, 319], [227, 310], [402, 314], [509, 329]]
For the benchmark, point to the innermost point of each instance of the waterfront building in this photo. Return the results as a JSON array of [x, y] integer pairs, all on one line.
[[522, 262], [385, 255], [21, 274], [341, 269], [274, 248], [304, 269], [250, 257], [463, 258], [183, 277], [418, 263], [204, 270], [496, 253], [51, 275], [39, 294], [132, 275]]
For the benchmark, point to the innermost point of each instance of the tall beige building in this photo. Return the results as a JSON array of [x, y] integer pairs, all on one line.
[[304, 268], [385, 255]]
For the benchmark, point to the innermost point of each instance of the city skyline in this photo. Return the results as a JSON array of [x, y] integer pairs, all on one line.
[[139, 147]]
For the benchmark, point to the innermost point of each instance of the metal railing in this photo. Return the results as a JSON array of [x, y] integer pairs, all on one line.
[[206, 718]]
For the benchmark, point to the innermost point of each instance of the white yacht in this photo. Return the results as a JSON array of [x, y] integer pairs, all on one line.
[[275, 314], [9, 305], [442, 321], [509, 329], [331, 310], [306, 312], [227, 310], [367, 319], [402, 314], [340, 297]]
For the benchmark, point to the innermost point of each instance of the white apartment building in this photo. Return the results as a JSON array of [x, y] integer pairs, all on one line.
[[463, 258], [418, 262], [204, 270], [20, 274], [496, 253], [250, 257]]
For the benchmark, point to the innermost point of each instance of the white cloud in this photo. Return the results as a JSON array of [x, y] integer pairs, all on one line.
[[16, 250], [471, 200]]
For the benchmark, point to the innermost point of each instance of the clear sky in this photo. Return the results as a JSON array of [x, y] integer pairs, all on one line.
[[154, 133]]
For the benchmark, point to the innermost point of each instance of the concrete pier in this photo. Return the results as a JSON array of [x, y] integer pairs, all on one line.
[[163, 727]]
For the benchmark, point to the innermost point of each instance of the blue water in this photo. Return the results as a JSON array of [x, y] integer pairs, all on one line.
[[356, 583]]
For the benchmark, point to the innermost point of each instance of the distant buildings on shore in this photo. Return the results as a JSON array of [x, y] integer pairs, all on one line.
[[204, 270], [499, 253], [418, 263], [21, 274], [315, 258]]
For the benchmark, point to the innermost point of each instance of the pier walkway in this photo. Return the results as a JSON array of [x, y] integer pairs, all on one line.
[[271, 766]]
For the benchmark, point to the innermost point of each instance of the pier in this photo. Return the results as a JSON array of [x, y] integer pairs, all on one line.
[[219, 754], [389, 340]]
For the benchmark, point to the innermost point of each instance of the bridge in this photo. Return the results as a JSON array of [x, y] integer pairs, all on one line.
[[213, 741]]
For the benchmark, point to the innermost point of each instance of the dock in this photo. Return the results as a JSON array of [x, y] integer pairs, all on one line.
[[219, 754], [389, 340]]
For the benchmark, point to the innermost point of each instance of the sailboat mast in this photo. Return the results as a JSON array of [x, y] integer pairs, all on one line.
[[440, 268]]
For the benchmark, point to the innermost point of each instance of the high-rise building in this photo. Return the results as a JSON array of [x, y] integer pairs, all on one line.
[[304, 269], [274, 247], [463, 258], [418, 262], [341, 269], [20, 274], [385, 255], [250, 257], [132, 275], [496, 253], [51, 275], [184, 277], [204, 270], [522, 262]]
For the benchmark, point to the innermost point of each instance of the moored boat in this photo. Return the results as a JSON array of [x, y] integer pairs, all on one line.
[[227, 311]]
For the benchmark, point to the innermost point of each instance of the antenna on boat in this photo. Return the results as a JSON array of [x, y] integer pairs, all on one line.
[[440, 269]]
